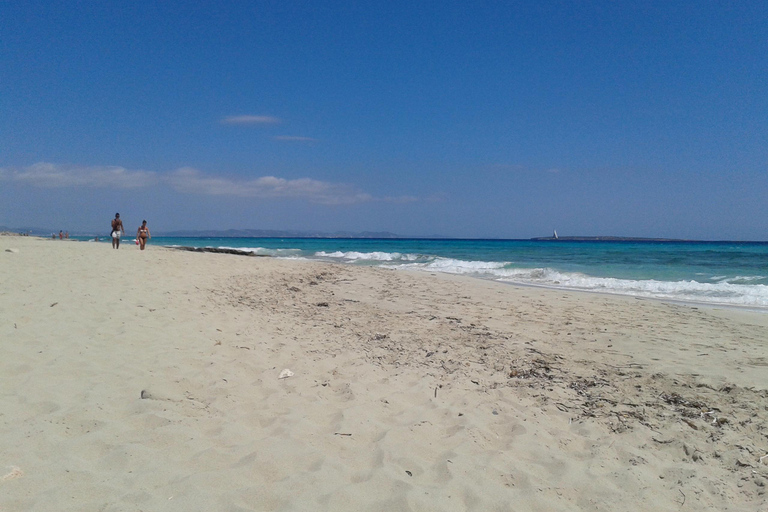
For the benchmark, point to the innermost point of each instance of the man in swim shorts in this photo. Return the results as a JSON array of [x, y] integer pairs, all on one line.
[[117, 230]]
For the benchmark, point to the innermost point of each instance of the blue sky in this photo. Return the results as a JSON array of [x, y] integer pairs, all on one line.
[[466, 119]]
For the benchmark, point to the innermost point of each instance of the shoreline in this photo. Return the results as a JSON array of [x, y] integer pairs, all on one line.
[[690, 303], [409, 390]]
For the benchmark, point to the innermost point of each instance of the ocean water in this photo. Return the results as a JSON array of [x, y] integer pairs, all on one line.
[[724, 273]]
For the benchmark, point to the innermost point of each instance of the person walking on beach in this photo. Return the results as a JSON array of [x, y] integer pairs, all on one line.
[[117, 230], [143, 234]]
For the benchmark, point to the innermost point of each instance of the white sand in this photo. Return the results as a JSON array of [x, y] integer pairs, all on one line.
[[410, 391]]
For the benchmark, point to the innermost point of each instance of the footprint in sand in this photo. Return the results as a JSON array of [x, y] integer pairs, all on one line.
[[16, 472]]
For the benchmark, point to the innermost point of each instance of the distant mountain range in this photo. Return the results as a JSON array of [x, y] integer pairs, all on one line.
[[271, 233], [229, 233]]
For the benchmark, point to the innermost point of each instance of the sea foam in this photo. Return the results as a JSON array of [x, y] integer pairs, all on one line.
[[723, 291]]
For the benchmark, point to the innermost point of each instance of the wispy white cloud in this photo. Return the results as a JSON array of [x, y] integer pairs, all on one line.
[[240, 120], [398, 199], [192, 181], [49, 175], [294, 138], [189, 180]]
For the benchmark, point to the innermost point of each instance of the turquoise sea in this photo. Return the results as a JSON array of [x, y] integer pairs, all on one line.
[[725, 273]]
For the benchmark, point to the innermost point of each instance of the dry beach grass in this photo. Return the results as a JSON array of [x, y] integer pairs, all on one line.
[[149, 380]]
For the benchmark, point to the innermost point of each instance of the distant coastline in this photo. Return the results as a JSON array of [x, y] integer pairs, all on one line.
[[264, 233], [608, 239]]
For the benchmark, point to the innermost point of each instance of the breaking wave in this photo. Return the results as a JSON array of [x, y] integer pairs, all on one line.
[[722, 290]]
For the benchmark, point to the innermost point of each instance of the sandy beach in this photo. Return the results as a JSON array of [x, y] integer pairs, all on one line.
[[151, 381]]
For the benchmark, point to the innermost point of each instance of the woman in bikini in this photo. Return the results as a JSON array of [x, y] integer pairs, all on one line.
[[143, 234]]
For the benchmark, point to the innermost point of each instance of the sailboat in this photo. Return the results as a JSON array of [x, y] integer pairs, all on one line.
[[555, 235]]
